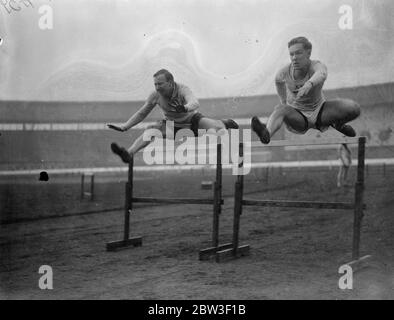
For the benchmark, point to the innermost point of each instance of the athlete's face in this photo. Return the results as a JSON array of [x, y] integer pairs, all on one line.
[[299, 57], [163, 86]]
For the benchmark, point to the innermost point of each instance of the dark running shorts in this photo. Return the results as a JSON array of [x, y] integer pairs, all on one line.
[[318, 118], [194, 124]]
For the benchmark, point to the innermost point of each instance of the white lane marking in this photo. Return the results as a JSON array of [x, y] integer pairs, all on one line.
[[285, 164], [83, 126]]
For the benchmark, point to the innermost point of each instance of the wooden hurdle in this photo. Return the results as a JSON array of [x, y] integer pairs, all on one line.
[[357, 205], [234, 250], [216, 249], [217, 202]]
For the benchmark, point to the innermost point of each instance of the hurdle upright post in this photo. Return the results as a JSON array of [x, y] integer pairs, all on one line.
[[82, 185], [235, 250], [207, 253], [217, 196], [92, 186], [358, 200], [127, 242], [239, 186], [358, 263], [128, 201]]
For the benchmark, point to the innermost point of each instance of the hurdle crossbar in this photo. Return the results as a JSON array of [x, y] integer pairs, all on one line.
[[174, 200], [287, 143], [300, 204]]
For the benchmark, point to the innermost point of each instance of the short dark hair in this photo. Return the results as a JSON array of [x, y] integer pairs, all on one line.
[[305, 42], [167, 74]]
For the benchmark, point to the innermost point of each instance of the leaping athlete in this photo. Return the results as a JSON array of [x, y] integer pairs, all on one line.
[[302, 104], [178, 105]]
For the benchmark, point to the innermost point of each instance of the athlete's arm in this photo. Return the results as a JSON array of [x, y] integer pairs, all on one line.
[[281, 86], [191, 101], [318, 78], [319, 75], [137, 117], [281, 90], [140, 115]]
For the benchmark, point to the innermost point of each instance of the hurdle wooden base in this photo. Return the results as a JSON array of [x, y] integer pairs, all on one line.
[[360, 263], [208, 253], [124, 244], [230, 254], [223, 252]]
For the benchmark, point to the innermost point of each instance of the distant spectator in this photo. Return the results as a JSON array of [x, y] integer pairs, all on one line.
[[345, 157]]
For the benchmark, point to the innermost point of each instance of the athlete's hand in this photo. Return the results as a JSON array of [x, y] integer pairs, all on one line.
[[304, 90], [120, 128], [180, 108]]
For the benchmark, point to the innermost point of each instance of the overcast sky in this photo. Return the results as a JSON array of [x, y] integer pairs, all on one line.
[[109, 49]]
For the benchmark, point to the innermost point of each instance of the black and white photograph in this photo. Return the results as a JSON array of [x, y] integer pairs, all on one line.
[[209, 152]]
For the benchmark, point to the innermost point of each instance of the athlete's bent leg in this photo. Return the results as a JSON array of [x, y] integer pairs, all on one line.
[[213, 124], [291, 117], [337, 113]]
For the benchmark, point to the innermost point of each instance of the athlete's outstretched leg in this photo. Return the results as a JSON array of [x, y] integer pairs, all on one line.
[[282, 113], [337, 113], [138, 144], [121, 152], [126, 155]]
